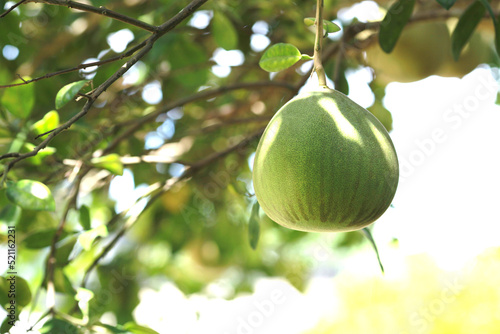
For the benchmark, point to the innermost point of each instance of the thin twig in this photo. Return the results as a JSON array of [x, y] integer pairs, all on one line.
[[12, 8], [126, 54], [101, 10], [318, 45]]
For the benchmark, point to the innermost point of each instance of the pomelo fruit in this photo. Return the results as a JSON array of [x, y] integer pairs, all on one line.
[[324, 163]]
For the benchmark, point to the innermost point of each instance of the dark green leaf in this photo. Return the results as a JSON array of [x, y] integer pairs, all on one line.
[[64, 249], [19, 100], [487, 5], [31, 195], [22, 291], [279, 57], [447, 4], [223, 31], [254, 226], [85, 217], [68, 92], [7, 324], [58, 326], [393, 23], [49, 122], [465, 27], [41, 239], [110, 162], [366, 231], [10, 214]]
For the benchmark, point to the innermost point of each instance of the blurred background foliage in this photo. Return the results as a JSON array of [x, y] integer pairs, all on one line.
[[197, 231]]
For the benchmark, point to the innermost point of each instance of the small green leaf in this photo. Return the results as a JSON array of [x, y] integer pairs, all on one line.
[[41, 239], [383, 115], [279, 57], [393, 23], [110, 162], [306, 57], [366, 231], [19, 100], [309, 21], [10, 214], [85, 217], [447, 4], [223, 31], [37, 159], [68, 92], [58, 326], [49, 122], [253, 226], [328, 26], [87, 238], [31, 195], [134, 328], [467, 22]]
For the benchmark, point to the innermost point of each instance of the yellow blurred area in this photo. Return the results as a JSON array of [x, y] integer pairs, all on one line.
[[176, 199], [420, 299]]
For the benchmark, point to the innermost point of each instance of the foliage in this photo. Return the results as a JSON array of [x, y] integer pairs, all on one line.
[[126, 162]]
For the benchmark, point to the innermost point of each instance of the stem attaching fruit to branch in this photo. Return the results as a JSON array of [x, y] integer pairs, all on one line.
[[318, 44]]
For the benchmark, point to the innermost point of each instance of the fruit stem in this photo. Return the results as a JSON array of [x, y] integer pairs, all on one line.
[[318, 45]]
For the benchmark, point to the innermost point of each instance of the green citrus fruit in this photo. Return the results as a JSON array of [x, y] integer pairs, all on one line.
[[324, 163]]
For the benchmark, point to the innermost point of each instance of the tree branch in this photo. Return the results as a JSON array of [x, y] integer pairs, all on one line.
[[12, 8], [148, 44]]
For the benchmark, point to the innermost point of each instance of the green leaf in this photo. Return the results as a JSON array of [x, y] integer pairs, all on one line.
[[309, 21], [49, 122], [383, 115], [393, 23], [447, 4], [85, 217], [19, 100], [38, 158], [306, 57], [110, 162], [253, 226], [58, 326], [64, 249], [328, 26], [366, 231], [279, 57], [87, 238], [487, 5], [22, 291], [465, 27], [68, 92], [31, 195], [41, 239], [223, 32], [137, 329], [10, 214]]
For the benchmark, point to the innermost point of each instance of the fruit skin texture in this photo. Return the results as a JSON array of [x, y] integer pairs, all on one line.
[[325, 164]]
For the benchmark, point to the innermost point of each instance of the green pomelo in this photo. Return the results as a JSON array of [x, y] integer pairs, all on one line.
[[324, 163]]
